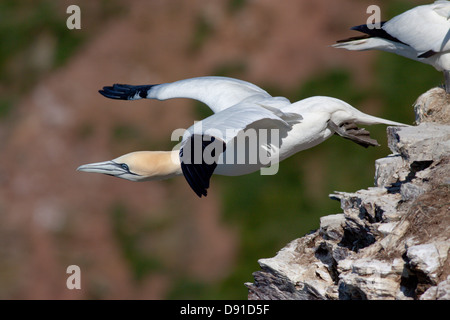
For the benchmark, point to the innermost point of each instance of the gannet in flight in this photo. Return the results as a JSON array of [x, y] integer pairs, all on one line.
[[214, 145], [421, 33]]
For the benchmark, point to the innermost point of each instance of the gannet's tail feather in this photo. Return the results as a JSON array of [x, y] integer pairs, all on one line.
[[364, 118]]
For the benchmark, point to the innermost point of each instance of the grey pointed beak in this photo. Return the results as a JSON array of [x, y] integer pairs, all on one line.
[[111, 168], [106, 167]]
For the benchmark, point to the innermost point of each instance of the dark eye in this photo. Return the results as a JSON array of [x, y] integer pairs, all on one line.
[[125, 167]]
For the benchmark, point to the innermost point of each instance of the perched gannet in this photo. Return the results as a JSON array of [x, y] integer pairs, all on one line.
[[421, 33], [249, 130]]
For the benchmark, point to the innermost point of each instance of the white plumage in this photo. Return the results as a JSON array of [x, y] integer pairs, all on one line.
[[421, 33]]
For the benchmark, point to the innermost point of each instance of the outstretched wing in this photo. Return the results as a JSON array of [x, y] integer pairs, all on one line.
[[423, 28], [219, 93], [206, 140]]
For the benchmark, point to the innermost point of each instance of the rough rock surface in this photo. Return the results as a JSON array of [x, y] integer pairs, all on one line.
[[392, 240]]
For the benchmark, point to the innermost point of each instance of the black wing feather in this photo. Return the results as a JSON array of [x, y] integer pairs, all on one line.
[[371, 33], [376, 32], [199, 174], [125, 91]]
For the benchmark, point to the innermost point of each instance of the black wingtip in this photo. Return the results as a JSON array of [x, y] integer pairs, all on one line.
[[369, 29], [125, 91], [198, 187], [109, 93], [199, 174], [427, 54], [357, 28], [376, 31]]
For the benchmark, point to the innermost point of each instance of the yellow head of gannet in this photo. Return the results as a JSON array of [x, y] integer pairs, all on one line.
[[139, 166]]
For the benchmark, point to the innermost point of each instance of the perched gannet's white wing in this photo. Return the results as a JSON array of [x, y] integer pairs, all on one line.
[[417, 33], [376, 43], [442, 7], [218, 93], [421, 33], [425, 28], [377, 39], [205, 141]]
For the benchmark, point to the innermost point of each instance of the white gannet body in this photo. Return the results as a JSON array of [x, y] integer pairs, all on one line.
[[249, 130], [421, 33]]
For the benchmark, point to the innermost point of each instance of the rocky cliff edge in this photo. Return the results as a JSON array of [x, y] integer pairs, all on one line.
[[392, 240]]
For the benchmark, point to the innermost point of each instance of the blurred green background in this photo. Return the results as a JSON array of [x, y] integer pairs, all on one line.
[[264, 212]]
